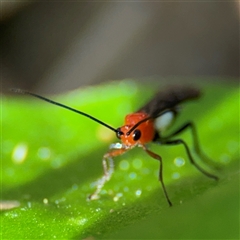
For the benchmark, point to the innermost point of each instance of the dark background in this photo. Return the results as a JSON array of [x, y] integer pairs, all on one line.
[[58, 46]]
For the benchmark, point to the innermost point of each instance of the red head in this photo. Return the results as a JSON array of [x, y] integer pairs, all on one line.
[[144, 133]]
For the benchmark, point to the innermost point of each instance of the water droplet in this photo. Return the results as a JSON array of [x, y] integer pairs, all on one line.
[[45, 201], [19, 153], [119, 194], [175, 175], [132, 175], [74, 187], [60, 200], [145, 171], [116, 198], [124, 165], [82, 221], [179, 162], [11, 214], [57, 162], [44, 153], [137, 163], [138, 193]]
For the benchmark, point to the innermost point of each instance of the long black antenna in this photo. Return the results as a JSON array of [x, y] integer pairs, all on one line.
[[17, 90], [145, 119]]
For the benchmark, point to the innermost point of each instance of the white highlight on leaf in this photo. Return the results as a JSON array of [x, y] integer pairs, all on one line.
[[138, 192], [9, 204], [19, 153]]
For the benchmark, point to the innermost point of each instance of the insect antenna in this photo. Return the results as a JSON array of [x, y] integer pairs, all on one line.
[[17, 90], [145, 119]]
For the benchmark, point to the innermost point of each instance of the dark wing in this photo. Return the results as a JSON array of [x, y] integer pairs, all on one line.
[[169, 99]]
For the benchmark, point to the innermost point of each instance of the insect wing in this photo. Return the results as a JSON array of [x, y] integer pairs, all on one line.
[[162, 122], [169, 99]]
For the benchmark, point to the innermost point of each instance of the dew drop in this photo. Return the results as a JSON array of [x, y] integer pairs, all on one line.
[[74, 187], [138, 193], [179, 162], [116, 198], [57, 162], [175, 175], [44, 153], [145, 171], [132, 175], [82, 221], [19, 153], [11, 214], [124, 165], [137, 163]]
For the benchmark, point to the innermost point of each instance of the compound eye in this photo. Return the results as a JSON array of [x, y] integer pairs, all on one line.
[[136, 134], [119, 133]]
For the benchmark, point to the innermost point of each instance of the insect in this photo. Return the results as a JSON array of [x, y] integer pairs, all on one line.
[[144, 126]]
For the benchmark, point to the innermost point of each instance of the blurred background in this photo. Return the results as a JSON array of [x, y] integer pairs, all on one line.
[[52, 47]]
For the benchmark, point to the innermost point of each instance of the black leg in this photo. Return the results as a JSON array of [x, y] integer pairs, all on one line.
[[196, 144], [180, 141], [154, 155]]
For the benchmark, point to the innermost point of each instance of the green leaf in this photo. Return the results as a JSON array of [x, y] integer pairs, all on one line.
[[51, 161]]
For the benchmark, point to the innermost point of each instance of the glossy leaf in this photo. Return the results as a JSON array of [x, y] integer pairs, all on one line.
[[51, 160]]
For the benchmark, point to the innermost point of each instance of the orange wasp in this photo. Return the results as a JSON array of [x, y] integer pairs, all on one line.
[[144, 126]]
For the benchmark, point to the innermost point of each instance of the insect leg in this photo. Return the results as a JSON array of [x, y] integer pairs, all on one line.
[[108, 168], [154, 155], [180, 141], [196, 144]]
